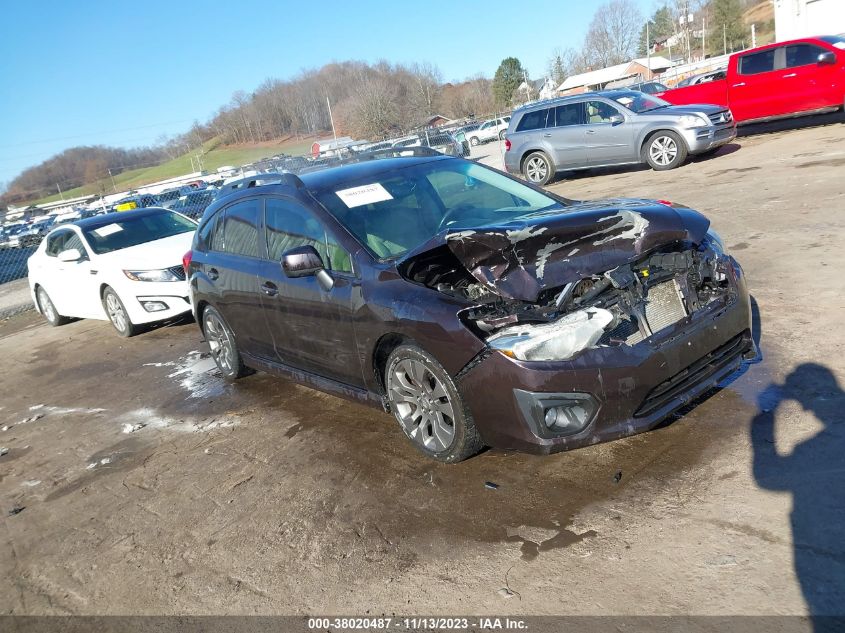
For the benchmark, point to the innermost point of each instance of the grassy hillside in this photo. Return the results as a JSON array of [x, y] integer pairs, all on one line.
[[214, 156], [762, 15]]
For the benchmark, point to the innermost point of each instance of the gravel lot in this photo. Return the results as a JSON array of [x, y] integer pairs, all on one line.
[[137, 482]]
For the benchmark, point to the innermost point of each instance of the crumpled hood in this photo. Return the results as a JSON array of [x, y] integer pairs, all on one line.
[[521, 258]]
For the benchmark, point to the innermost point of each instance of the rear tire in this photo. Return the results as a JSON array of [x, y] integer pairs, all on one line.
[[224, 349], [473, 141], [428, 406], [538, 168], [117, 314], [45, 304], [665, 150], [502, 135]]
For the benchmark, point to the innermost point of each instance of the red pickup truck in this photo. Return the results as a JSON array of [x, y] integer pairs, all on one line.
[[805, 76]]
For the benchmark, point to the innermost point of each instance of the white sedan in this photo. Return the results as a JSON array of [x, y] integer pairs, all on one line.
[[123, 267]]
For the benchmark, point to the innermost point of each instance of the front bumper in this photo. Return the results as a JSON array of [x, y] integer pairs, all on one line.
[[173, 294], [706, 138], [636, 387]]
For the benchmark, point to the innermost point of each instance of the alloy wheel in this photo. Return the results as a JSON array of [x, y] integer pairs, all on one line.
[[220, 342], [536, 169], [116, 312], [422, 405], [46, 305], [663, 150]]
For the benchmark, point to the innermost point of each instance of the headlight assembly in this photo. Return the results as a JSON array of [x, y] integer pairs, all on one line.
[[164, 274], [558, 340], [694, 120]]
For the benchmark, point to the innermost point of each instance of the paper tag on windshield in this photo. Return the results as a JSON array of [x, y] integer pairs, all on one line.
[[108, 229], [366, 194]]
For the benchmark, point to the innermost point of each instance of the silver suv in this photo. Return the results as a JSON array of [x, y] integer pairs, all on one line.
[[613, 127]]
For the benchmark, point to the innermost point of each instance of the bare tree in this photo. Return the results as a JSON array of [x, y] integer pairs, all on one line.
[[614, 33]]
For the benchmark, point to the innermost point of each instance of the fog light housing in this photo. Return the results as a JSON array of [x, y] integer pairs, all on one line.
[[556, 414], [154, 306]]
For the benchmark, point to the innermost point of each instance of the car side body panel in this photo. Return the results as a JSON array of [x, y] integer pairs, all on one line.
[[782, 91]]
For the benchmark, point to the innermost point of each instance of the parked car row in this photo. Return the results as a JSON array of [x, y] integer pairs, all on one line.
[[432, 287], [630, 126]]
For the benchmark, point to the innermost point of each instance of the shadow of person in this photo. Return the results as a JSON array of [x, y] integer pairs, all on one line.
[[814, 472]]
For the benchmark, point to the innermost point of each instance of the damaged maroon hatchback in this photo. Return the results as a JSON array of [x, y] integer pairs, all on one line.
[[478, 310]]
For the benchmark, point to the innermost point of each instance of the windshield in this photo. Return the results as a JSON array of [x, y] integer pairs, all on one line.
[[404, 208], [120, 234], [837, 40], [639, 101]]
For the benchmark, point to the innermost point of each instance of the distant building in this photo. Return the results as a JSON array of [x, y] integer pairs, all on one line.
[[805, 18], [436, 120], [641, 69]]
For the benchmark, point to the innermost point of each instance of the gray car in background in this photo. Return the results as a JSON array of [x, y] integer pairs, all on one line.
[[613, 127]]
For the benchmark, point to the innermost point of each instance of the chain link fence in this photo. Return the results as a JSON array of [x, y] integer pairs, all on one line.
[[477, 138]]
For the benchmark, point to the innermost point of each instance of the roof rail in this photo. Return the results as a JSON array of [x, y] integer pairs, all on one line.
[[259, 180]]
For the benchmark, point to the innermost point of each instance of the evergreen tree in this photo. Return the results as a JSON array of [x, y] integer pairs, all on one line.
[[506, 80]]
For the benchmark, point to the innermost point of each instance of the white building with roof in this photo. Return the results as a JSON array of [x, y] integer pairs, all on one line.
[[641, 69]]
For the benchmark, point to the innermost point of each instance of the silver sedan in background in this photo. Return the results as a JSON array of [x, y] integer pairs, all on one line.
[[613, 127]]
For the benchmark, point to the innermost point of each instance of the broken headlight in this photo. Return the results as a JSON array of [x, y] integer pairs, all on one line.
[[558, 340]]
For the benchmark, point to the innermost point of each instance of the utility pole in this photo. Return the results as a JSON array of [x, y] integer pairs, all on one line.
[[648, 48], [725, 37], [753, 36], [114, 186], [331, 118], [61, 195]]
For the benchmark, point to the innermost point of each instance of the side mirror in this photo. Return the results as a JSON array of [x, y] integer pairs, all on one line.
[[305, 261], [616, 119], [826, 58], [70, 255]]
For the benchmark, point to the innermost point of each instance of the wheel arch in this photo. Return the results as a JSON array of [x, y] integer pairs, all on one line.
[[526, 153], [381, 352], [650, 134]]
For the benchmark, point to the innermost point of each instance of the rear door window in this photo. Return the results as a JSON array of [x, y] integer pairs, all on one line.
[[757, 63], [533, 120], [569, 114], [802, 55]]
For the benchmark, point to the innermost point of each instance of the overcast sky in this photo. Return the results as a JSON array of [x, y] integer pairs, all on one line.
[[124, 73]]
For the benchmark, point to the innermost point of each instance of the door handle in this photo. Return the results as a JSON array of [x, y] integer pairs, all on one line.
[[213, 274], [790, 75], [741, 83], [269, 288], [92, 272], [591, 131], [547, 135]]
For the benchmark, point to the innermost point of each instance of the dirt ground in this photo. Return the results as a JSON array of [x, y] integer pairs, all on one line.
[[137, 482]]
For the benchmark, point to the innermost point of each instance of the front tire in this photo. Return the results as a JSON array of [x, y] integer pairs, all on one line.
[[48, 309], [665, 150], [502, 135], [473, 141], [117, 314], [538, 168], [224, 349], [428, 406]]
